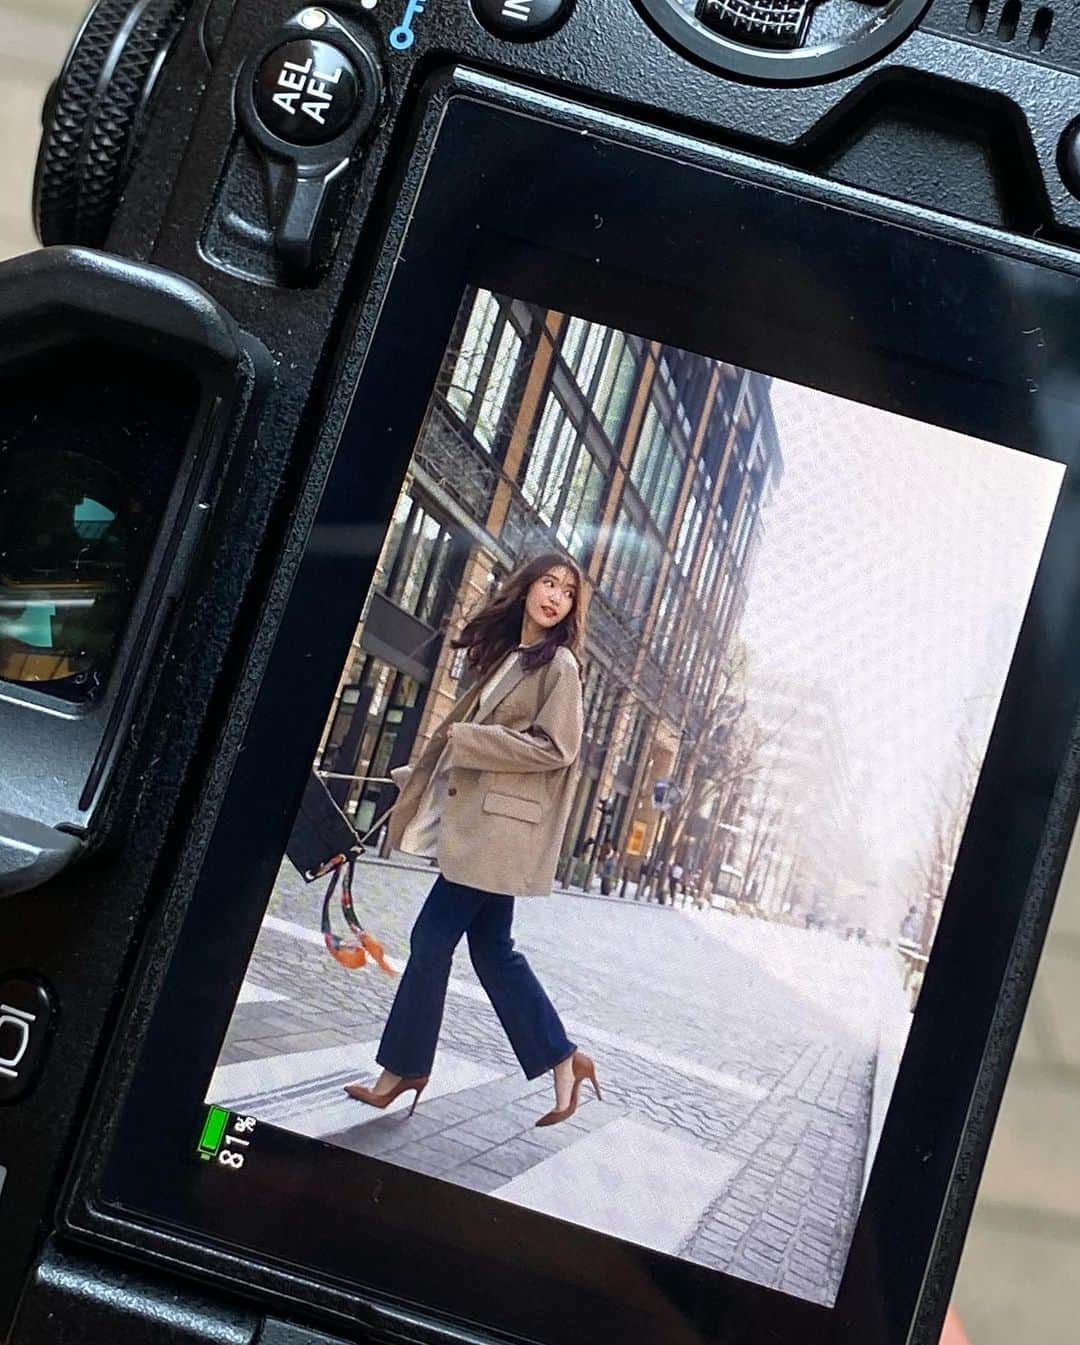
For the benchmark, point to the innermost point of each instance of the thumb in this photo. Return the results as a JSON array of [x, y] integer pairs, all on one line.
[[953, 1333]]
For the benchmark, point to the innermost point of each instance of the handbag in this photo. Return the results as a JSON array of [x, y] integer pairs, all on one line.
[[321, 828]]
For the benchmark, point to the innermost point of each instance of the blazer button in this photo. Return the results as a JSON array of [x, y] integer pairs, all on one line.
[[451, 791]]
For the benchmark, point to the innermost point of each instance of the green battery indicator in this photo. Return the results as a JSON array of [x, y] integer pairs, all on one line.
[[217, 1118]]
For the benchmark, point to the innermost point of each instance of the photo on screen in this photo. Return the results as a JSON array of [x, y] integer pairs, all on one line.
[[685, 675]]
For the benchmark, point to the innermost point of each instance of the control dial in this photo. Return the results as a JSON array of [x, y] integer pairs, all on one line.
[[94, 115], [785, 41]]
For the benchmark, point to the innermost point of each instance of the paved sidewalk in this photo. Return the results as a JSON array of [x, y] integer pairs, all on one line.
[[736, 1098]]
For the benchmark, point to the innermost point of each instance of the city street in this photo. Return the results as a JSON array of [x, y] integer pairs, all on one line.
[[736, 1059]]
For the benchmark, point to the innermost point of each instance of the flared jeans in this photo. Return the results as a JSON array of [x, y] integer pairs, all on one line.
[[527, 1015]]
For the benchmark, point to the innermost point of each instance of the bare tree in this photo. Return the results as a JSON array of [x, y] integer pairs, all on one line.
[[761, 847], [703, 764], [934, 863], [721, 766]]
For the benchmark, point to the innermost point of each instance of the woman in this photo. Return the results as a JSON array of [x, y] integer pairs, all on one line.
[[489, 798]]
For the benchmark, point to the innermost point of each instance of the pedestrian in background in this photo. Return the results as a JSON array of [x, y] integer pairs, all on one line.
[[656, 880], [609, 859], [675, 877], [489, 798], [662, 880]]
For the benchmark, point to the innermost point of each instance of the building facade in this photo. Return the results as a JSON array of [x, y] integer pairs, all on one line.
[[649, 466]]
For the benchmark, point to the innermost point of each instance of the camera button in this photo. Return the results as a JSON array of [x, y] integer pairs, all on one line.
[[306, 91], [26, 1011], [521, 19]]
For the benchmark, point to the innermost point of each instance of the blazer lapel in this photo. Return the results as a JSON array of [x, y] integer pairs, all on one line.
[[506, 683]]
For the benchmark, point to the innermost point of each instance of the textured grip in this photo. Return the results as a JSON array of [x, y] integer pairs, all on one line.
[[93, 116]]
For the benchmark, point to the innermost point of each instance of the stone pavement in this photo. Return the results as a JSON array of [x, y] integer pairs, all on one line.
[[736, 1093]]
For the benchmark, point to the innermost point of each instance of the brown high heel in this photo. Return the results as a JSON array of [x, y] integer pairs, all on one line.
[[583, 1068], [363, 1094]]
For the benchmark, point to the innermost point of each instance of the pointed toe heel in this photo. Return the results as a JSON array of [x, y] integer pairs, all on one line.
[[361, 1093], [583, 1068]]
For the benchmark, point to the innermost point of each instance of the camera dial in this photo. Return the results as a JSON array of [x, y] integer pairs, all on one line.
[[785, 41], [94, 114]]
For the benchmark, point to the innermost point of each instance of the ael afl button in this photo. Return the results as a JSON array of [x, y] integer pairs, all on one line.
[[521, 19], [25, 1015], [306, 91]]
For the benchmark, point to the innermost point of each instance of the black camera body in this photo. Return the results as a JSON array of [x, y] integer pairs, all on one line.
[[226, 188]]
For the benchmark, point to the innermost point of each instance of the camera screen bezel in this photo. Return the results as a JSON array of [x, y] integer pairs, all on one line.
[[491, 211]]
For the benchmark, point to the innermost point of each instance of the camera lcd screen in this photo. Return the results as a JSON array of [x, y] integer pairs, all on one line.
[[793, 617], [743, 858]]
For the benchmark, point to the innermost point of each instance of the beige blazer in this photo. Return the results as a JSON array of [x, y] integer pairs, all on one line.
[[512, 773]]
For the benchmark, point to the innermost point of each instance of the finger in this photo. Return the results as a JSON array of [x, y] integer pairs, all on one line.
[[953, 1333]]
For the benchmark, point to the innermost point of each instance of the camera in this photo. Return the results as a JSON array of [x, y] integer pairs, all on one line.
[[591, 483]]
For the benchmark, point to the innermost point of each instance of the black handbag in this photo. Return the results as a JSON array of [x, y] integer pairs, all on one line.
[[324, 844]]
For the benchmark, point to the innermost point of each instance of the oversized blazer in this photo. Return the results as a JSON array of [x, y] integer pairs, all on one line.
[[511, 777]]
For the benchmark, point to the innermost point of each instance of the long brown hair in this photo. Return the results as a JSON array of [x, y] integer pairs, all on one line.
[[495, 629]]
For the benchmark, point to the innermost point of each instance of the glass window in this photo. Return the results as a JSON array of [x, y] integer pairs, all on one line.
[[590, 357], [658, 464], [617, 403], [632, 564], [729, 494], [547, 503], [481, 378], [582, 505], [666, 618], [392, 546], [708, 565], [723, 599], [690, 378], [573, 340], [474, 344], [749, 513], [540, 453], [758, 467], [430, 607], [415, 571], [606, 382], [493, 402], [564, 479], [690, 528], [420, 563], [641, 465]]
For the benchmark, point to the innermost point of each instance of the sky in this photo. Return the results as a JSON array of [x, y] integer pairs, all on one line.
[[895, 568]]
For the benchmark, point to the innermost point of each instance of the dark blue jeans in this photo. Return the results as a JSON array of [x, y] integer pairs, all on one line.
[[527, 1015]]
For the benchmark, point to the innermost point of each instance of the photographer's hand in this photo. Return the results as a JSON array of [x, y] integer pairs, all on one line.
[[953, 1333]]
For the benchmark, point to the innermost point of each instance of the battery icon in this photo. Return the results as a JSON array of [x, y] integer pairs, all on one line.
[[217, 1118]]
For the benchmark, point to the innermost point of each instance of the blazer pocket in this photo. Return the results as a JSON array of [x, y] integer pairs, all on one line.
[[512, 805]]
